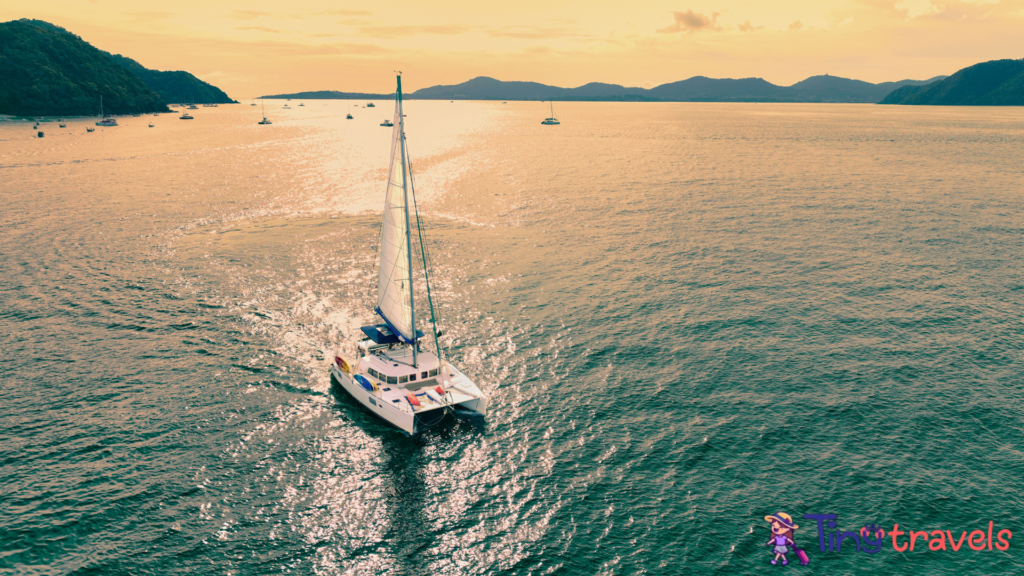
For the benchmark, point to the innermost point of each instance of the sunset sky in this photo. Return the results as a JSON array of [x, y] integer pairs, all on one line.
[[263, 47]]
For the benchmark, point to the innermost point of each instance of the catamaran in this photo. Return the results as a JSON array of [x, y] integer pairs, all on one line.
[[395, 376], [551, 121]]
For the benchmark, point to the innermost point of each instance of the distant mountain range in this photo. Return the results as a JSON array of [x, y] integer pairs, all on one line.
[[46, 70], [697, 89], [993, 83]]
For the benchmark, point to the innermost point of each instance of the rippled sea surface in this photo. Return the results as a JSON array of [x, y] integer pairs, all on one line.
[[687, 316]]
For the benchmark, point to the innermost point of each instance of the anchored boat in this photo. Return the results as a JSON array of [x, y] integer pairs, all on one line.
[[552, 121], [395, 376]]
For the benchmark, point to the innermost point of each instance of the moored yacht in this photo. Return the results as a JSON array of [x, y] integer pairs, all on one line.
[[552, 120]]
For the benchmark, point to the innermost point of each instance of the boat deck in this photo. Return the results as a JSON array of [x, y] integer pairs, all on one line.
[[425, 391]]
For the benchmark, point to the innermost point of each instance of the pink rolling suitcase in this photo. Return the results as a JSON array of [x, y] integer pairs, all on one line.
[[804, 560]]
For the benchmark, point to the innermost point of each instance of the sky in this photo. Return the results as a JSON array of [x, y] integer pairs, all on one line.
[[256, 47]]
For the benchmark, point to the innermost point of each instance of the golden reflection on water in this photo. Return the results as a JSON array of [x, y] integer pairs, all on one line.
[[597, 280]]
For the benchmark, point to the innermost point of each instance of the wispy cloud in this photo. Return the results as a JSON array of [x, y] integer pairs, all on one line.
[[691, 21], [401, 31], [746, 26], [533, 33], [915, 8], [259, 29], [247, 14], [344, 13], [796, 25]]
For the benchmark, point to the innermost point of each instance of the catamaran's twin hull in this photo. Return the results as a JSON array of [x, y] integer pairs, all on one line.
[[409, 422]]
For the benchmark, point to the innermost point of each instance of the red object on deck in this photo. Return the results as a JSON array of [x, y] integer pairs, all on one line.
[[413, 400], [440, 391]]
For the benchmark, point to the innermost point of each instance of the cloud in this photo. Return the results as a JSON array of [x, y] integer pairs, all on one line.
[[915, 8], [746, 26], [691, 21], [534, 33], [796, 25], [259, 29], [246, 14], [400, 31], [344, 13]]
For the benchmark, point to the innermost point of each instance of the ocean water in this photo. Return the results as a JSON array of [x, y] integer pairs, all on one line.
[[687, 316]]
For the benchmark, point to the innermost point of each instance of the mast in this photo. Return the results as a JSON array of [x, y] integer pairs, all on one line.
[[408, 231]]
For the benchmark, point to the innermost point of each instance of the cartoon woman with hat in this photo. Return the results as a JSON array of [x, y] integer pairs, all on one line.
[[782, 535]]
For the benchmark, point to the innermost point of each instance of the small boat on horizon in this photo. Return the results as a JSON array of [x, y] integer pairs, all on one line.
[[395, 376], [185, 116], [551, 121], [387, 123], [150, 124], [264, 121], [370, 105]]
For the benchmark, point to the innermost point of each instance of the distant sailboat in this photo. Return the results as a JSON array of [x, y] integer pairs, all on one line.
[[264, 121], [552, 120], [105, 121], [395, 377], [386, 122]]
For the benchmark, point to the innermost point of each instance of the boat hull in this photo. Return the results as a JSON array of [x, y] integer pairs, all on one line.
[[404, 421], [410, 422]]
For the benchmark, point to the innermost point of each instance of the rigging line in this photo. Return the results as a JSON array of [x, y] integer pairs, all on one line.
[[426, 273]]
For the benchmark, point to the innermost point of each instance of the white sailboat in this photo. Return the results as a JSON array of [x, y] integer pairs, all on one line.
[[395, 377], [105, 121], [551, 121], [264, 121]]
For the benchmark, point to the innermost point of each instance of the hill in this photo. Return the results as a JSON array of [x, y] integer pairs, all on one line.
[[331, 95], [993, 83], [47, 70], [176, 86], [697, 89]]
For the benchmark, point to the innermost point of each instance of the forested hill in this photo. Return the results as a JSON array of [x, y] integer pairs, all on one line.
[[46, 70], [993, 83], [176, 86]]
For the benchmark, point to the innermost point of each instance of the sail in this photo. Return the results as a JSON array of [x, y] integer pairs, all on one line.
[[394, 284]]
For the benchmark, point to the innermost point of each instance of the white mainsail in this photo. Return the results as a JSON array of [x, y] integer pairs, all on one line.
[[394, 285]]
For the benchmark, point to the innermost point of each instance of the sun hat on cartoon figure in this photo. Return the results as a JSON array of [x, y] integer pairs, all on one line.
[[782, 535]]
